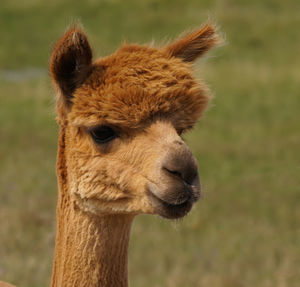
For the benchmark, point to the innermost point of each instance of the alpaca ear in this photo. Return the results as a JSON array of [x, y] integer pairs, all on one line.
[[194, 44], [71, 62]]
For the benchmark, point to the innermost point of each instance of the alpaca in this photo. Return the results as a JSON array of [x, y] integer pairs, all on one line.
[[120, 151]]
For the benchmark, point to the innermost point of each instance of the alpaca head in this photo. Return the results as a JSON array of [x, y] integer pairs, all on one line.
[[122, 118]]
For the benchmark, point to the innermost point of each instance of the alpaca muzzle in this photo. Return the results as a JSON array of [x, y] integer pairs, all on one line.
[[179, 186]]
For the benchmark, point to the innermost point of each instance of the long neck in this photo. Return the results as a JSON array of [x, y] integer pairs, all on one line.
[[90, 250]]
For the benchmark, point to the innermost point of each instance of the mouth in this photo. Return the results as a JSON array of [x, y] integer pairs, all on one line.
[[172, 210]]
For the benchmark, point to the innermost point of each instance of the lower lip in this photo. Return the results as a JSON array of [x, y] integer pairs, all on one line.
[[171, 211]]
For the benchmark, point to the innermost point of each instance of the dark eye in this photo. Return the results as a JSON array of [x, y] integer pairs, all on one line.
[[102, 134]]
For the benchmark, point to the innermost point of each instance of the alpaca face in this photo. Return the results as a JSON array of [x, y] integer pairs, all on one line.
[[147, 171], [123, 116]]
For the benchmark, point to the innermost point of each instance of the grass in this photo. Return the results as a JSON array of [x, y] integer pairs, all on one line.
[[245, 231]]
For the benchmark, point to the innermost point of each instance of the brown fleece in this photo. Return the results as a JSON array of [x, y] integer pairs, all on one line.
[[148, 96]]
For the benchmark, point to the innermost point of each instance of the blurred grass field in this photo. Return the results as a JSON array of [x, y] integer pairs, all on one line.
[[245, 232]]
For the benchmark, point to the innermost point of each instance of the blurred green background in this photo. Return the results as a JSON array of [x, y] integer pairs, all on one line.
[[246, 229]]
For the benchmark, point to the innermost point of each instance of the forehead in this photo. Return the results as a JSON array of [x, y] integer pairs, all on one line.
[[135, 85]]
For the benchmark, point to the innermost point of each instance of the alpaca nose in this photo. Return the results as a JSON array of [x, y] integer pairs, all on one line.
[[182, 165]]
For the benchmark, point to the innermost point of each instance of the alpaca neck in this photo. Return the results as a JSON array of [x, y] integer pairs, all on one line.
[[90, 250]]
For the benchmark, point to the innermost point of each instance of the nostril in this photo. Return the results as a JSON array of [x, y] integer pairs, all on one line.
[[173, 172], [188, 177], [179, 175]]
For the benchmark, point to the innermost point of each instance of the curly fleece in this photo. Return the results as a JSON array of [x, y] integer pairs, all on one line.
[[137, 84]]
